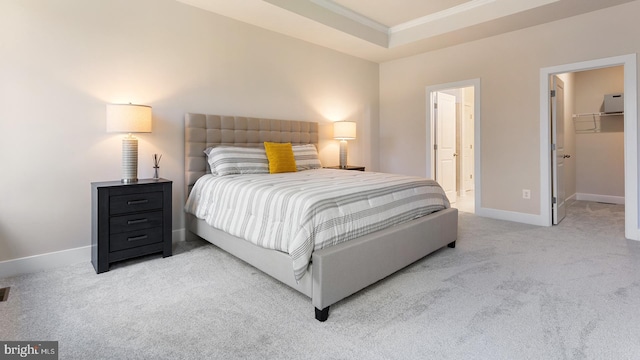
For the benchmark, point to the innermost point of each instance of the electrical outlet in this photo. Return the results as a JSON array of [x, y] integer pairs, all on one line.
[[526, 194]]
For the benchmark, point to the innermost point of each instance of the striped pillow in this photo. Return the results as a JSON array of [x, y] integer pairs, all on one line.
[[232, 160], [306, 157]]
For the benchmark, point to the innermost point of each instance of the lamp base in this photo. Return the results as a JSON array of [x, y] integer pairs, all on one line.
[[129, 160], [343, 154]]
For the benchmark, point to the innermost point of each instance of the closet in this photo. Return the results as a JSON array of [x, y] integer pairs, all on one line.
[[594, 135]]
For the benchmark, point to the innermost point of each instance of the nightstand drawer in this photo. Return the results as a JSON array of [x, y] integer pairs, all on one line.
[[133, 222], [133, 239], [122, 204]]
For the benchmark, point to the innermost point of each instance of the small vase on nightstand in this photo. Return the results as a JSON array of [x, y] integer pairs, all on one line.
[[156, 165]]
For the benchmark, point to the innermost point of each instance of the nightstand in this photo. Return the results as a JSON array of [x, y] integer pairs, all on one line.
[[129, 220], [348, 167]]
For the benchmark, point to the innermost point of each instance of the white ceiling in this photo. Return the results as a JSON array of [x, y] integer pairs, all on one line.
[[382, 30]]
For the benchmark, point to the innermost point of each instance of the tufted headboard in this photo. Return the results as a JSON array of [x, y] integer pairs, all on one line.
[[202, 131]]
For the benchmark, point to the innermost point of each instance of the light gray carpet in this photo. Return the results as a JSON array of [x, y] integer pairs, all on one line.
[[508, 291]]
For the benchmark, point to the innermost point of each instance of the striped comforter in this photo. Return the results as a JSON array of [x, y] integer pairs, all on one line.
[[309, 210]]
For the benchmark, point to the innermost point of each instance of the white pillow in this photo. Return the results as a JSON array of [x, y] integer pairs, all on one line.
[[233, 160], [306, 157]]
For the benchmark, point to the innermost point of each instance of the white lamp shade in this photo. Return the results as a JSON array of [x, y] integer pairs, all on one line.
[[344, 130], [128, 118]]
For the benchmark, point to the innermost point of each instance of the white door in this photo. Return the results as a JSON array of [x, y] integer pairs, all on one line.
[[445, 126], [557, 150], [467, 148]]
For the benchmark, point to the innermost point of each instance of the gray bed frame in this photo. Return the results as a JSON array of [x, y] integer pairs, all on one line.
[[335, 272]]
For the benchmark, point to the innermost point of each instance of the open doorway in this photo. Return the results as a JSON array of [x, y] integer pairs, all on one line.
[[452, 152], [588, 156], [632, 230]]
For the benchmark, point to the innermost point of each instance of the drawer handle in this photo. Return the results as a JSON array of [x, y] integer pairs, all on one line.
[[138, 221], [136, 238], [136, 202]]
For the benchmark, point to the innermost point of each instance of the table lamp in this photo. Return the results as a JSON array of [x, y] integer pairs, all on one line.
[[129, 118], [343, 131]]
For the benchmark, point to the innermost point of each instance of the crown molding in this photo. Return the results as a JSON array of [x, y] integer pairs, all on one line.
[[468, 6], [350, 14]]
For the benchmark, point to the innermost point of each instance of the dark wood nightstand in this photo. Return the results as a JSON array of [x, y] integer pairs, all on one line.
[[129, 220], [348, 167]]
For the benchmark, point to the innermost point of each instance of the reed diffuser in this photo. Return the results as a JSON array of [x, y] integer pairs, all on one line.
[[156, 165]]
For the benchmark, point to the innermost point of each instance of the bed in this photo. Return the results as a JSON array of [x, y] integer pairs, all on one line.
[[334, 272]]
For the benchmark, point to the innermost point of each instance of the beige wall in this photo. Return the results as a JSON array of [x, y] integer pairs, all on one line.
[[61, 61], [600, 155], [509, 68]]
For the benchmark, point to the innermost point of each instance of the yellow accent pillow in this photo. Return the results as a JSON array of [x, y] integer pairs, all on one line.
[[280, 157]]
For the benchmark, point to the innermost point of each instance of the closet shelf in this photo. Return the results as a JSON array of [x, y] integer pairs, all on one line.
[[598, 114], [590, 122]]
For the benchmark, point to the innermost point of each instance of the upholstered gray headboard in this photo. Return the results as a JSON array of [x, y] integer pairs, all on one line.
[[202, 131]]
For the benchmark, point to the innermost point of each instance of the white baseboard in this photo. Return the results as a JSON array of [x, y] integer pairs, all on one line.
[[524, 218], [35, 263], [178, 235], [601, 198]]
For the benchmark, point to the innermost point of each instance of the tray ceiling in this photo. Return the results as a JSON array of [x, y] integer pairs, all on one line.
[[382, 30]]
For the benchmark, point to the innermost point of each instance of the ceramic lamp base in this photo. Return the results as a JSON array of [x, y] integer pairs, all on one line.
[[343, 153], [129, 160]]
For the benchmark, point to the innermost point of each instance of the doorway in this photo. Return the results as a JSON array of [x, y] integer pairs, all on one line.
[[452, 154], [588, 156], [630, 137]]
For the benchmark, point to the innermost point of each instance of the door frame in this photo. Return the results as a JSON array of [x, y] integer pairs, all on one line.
[[630, 137], [477, 181]]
